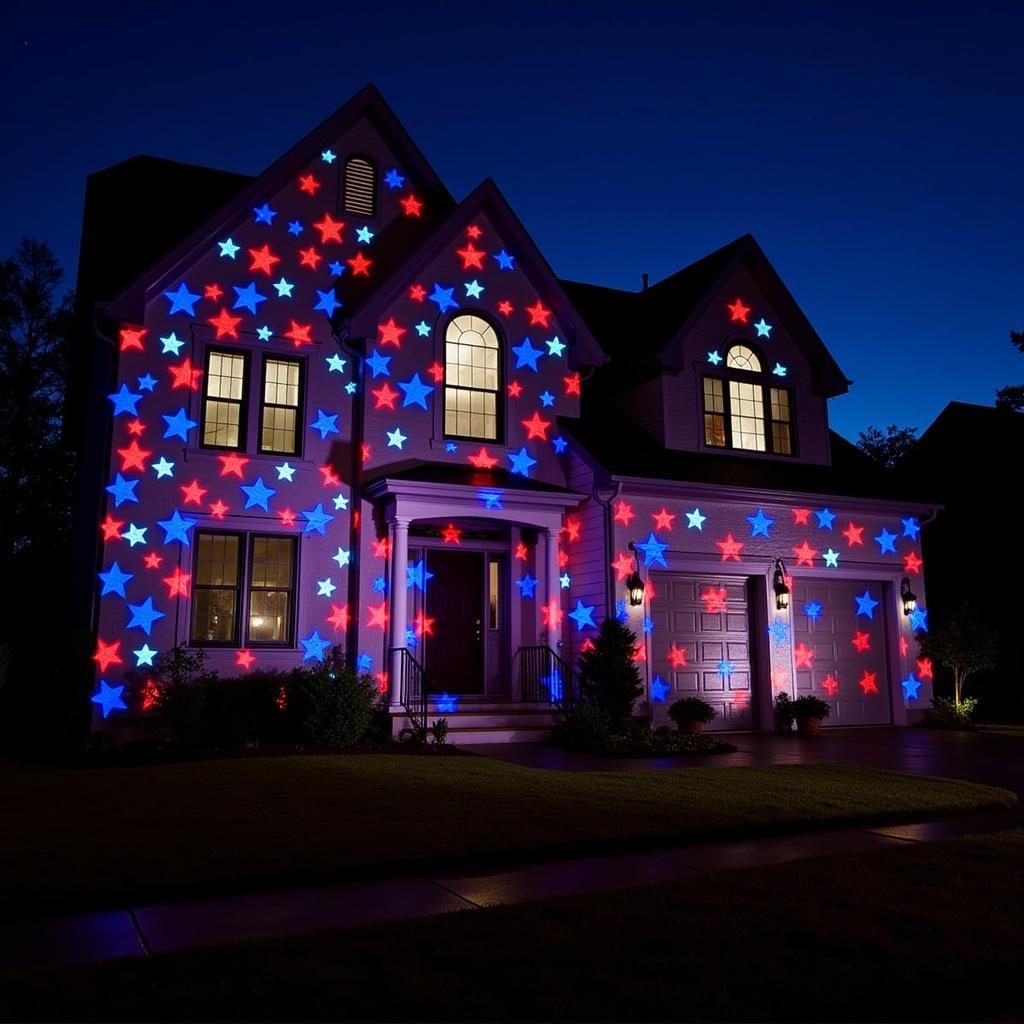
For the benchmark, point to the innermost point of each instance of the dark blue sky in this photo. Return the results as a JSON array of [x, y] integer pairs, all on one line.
[[876, 156]]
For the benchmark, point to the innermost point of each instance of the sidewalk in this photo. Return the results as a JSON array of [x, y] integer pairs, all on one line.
[[161, 928]]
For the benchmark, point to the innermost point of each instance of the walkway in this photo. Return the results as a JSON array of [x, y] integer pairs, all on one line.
[[141, 931]]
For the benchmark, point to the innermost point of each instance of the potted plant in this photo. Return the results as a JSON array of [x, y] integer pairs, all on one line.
[[691, 714], [809, 712]]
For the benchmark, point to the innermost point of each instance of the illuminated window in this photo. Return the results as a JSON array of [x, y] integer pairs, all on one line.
[[271, 590], [224, 399], [741, 412], [216, 588], [360, 186], [472, 376], [279, 409]]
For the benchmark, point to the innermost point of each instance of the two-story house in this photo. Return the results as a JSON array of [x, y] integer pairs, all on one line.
[[347, 409]]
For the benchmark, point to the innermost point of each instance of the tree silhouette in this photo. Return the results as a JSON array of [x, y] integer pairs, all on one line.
[[887, 448], [1012, 396]]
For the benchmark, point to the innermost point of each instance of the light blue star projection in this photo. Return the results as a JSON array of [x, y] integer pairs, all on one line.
[[248, 297], [443, 298], [364, 235], [228, 248], [316, 519], [555, 347], [866, 605], [831, 559], [779, 631], [314, 646], [474, 289], [527, 355], [163, 468], [325, 424], [695, 520], [178, 425], [760, 524], [653, 551], [125, 402], [919, 620], [812, 610], [396, 438], [182, 300], [171, 344], [527, 586], [521, 461], [340, 501], [343, 556], [911, 528], [143, 616], [258, 494], [176, 528], [826, 517], [328, 156], [109, 698], [764, 330], [135, 534], [583, 615], [714, 358], [564, 581], [264, 333], [325, 587], [416, 392], [144, 655], [505, 260], [284, 288], [910, 687], [659, 690], [123, 490], [286, 471], [114, 580], [423, 329], [417, 576], [886, 542], [779, 370], [335, 364]]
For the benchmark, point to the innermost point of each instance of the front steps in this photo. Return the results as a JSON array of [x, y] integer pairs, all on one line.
[[488, 721]]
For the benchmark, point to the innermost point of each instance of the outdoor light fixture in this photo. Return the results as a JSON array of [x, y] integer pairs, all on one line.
[[909, 597], [779, 586], [634, 582]]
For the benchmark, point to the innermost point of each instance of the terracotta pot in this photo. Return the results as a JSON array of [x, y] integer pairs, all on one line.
[[809, 726], [691, 728]]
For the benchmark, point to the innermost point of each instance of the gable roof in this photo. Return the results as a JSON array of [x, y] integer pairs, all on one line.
[[487, 200], [640, 326], [367, 103]]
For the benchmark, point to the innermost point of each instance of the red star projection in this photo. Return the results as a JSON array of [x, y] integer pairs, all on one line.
[[677, 656], [287, 516], [538, 314], [738, 312], [924, 668], [391, 333], [436, 370], [338, 619], [225, 324], [298, 334], [830, 685], [452, 534], [411, 206], [360, 265], [378, 616], [417, 293], [805, 554], [423, 624], [861, 641], [473, 231], [330, 230], [867, 682], [232, 465], [730, 548], [213, 292], [131, 337], [152, 560], [624, 513], [536, 427], [854, 535], [381, 548], [309, 258], [515, 389], [111, 528], [192, 494], [263, 259], [804, 656], [245, 659], [572, 529], [520, 552], [328, 476], [218, 509], [572, 384], [663, 520], [385, 396], [471, 258], [911, 563], [134, 457], [904, 647], [178, 583], [107, 654], [623, 566], [482, 460], [136, 428], [714, 600], [505, 307], [184, 376], [308, 184], [551, 614], [801, 516]]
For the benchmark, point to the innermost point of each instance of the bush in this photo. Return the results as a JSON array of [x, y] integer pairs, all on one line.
[[691, 709], [331, 703], [810, 706], [608, 674], [784, 716], [955, 714], [247, 710], [179, 694], [439, 731], [583, 727]]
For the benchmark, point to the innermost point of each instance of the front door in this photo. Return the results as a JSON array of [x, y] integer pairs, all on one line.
[[454, 651]]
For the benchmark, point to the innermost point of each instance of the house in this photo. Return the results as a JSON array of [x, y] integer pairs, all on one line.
[[956, 463], [336, 406]]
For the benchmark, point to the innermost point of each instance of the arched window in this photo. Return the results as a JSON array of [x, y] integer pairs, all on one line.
[[743, 411], [472, 375], [360, 186]]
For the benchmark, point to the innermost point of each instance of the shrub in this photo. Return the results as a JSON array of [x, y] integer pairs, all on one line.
[[965, 645], [179, 694], [245, 710], [331, 703], [957, 714], [784, 716], [691, 709], [608, 674], [585, 726], [439, 731], [810, 706]]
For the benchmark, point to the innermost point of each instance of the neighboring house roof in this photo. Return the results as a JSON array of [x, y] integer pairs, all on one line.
[[634, 327], [622, 449]]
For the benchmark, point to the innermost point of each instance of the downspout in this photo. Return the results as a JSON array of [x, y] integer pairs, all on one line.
[[606, 504]]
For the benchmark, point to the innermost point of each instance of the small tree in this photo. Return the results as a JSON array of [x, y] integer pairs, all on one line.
[[888, 448], [609, 677], [1012, 396], [964, 645]]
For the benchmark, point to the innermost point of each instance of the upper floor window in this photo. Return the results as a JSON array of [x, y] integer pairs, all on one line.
[[472, 374], [224, 399], [741, 411], [279, 410], [360, 186]]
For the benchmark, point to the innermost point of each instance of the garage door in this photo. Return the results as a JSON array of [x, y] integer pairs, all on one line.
[[839, 649], [701, 646]]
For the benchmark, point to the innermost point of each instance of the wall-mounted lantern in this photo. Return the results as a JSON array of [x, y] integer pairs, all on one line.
[[779, 586], [908, 596], [634, 581]]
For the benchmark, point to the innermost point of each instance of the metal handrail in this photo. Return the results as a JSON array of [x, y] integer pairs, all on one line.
[[545, 677], [415, 687]]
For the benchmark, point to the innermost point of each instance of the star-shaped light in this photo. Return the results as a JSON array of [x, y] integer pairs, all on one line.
[[325, 424], [830, 685], [527, 355], [316, 519], [911, 528], [886, 542], [396, 438], [343, 556], [560, 444], [182, 300], [474, 289], [411, 206], [107, 654], [228, 249], [695, 520], [866, 605], [423, 329], [854, 535], [325, 587], [826, 517], [659, 690], [779, 631], [393, 179], [313, 646], [417, 576], [653, 550], [536, 428], [378, 364], [178, 583], [831, 559], [163, 468], [284, 288], [142, 616], [583, 615], [264, 333], [861, 641], [715, 357], [258, 494], [176, 528], [335, 364], [726, 668], [779, 370], [144, 655], [135, 534], [109, 698], [125, 401], [730, 548], [505, 260], [490, 499], [527, 586], [803, 655], [123, 490], [178, 425], [264, 214], [738, 312], [326, 301], [867, 682], [805, 554], [565, 581], [911, 562], [919, 620], [114, 580], [764, 330], [521, 462], [447, 703], [364, 235], [415, 391], [147, 383], [812, 610], [328, 156], [171, 344], [378, 616], [760, 524], [547, 399], [443, 298], [910, 687]]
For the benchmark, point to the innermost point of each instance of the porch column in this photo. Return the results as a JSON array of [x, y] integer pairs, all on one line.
[[552, 587], [399, 601]]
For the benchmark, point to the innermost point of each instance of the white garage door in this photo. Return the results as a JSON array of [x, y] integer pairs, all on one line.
[[700, 646], [840, 649]]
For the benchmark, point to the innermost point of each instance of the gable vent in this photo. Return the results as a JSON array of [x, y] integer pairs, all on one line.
[[360, 186]]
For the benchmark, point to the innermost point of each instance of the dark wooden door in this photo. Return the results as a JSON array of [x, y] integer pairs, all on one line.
[[455, 601]]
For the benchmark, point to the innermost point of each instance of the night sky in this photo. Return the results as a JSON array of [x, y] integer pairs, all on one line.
[[878, 158]]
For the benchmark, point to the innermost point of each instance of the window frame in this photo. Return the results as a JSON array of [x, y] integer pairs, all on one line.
[[289, 641], [498, 392], [264, 405], [243, 403], [239, 588], [376, 186], [767, 383]]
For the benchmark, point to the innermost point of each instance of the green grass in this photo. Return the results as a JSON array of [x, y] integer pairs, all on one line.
[[109, 836], [924, 932]]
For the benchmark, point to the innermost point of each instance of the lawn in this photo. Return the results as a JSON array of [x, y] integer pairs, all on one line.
[[80, 837], [923, 932]]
